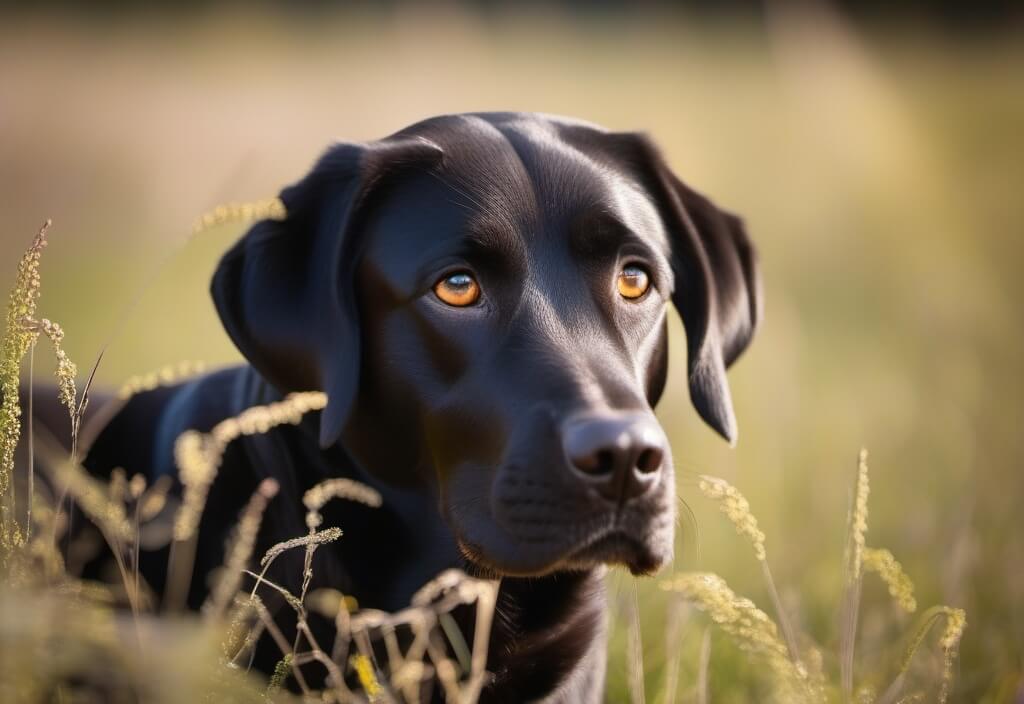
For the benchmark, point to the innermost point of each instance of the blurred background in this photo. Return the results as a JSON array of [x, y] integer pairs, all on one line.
[[876, 155]]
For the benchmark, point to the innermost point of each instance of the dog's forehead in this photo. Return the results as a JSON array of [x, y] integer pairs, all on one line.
[[517, 173]]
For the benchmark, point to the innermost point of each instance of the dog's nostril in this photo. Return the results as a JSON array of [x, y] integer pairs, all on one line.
[[597, 463], [620, 454], [649, 460]]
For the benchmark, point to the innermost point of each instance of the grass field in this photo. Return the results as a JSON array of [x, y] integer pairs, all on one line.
[[879, 174]]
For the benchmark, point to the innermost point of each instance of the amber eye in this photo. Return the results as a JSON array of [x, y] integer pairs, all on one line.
[[459, 289], [633, 282]]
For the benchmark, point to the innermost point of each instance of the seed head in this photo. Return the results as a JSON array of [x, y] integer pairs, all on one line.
[[891, 572], [736, 508]]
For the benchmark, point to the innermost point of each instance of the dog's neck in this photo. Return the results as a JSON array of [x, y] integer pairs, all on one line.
[[549, 636]]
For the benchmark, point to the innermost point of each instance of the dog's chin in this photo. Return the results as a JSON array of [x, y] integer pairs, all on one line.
[[612, 547], [616, 548]]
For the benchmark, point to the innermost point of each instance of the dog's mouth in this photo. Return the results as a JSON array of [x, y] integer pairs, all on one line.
[[613, 546]]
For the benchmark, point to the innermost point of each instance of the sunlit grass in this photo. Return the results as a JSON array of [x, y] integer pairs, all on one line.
[[237, 616], [891, 264]]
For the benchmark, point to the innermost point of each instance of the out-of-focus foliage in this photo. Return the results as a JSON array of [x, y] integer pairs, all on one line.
[[878, 171]]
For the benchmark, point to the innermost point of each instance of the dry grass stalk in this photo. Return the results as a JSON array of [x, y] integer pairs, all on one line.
[[136, 486], [675, 620], [93, 497], [737, 509], [290, 599], [426, 618], [67, 393], [16, 343], [199, 454], [338, 488], [634, 648], [165, 376], [859, 516], [66, 369], [241, 548], [280, 674], [949, 642], [266, 623], [117, 487], [485, 605], [318, 538], [154, 498], [42, 550], [30, 493], [704, 668], [857, 527], [956, 622], [267, 209], [858, 558], [751, 629]]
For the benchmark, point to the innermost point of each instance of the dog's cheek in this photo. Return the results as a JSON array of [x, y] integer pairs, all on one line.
[[444, 356]]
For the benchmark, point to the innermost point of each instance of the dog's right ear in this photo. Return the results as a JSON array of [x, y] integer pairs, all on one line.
[[717, 287], [285, 292]]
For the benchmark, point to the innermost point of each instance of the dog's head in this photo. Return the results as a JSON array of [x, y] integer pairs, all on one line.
[[483, 298]]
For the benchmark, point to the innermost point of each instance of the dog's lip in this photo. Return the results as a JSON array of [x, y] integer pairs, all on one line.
[[610, 546], [613, 546]]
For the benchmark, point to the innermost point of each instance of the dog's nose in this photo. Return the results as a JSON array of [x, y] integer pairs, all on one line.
[[617, 453]]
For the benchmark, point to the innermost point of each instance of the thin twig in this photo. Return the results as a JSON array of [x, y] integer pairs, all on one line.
[[31, 440], [485, 605], [673, 647], [703, 667], [181, 564], [780, 613], [634, 645]]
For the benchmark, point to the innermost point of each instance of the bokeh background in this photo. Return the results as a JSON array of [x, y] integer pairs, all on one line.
[[877, 157]]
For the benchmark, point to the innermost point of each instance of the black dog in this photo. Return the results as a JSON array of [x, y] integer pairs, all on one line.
[[483, 299]]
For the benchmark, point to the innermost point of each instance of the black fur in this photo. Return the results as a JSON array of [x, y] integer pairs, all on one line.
[[511, 438]]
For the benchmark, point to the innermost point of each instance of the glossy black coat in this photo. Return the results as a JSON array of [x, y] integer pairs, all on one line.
[[514, 437]]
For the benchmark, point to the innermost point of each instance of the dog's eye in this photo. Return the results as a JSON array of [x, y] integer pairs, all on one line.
[[633, 282], [459, 289]]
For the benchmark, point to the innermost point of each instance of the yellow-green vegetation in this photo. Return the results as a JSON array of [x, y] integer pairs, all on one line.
[[90, 644], [17, 341], [65, 638], [794, 680], [878, 169]]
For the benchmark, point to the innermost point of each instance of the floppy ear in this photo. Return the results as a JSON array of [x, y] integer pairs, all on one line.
[[717, 280], [285, 293]]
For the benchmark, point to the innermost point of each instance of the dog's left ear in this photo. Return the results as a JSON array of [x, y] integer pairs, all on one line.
[[717, 280], [285, 292]]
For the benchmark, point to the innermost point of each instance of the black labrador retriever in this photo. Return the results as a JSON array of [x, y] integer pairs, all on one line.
[[483, 299]]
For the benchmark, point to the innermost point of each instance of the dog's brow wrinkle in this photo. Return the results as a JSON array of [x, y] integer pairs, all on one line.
[[485, 162], [485, 233]]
